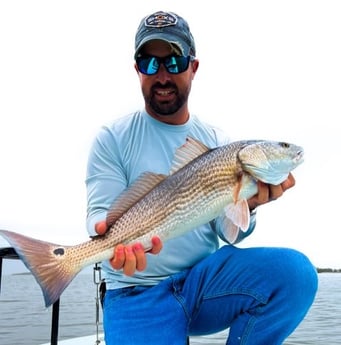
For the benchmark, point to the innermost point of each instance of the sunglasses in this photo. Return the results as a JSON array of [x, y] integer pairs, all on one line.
[[174, 64]]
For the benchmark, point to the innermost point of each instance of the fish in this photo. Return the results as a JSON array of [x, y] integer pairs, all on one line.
[[203, 184]]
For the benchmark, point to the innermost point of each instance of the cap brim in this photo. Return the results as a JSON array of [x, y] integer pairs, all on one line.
[[182, 46]]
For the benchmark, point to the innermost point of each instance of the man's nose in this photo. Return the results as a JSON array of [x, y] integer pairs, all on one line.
[[162, 75]]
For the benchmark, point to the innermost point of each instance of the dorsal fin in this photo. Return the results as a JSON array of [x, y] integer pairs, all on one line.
[[186, 153], [129, 197]]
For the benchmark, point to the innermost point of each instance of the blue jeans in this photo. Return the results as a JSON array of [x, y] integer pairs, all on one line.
[[261, 294]]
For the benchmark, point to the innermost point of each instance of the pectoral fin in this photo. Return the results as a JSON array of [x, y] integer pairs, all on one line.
[[236, 217]]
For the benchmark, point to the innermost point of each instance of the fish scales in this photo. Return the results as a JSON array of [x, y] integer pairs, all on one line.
[[196, 187], [203, 185]]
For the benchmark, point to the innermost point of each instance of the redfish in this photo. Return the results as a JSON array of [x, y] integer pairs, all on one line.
[[203, 184]]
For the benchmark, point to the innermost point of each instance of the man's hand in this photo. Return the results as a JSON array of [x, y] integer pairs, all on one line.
[[269, 192], [129, 258]]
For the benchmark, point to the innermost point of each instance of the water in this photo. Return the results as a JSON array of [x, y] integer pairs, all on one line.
[[25, 321]]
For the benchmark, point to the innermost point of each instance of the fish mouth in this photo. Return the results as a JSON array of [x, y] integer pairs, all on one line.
[[299, 157]]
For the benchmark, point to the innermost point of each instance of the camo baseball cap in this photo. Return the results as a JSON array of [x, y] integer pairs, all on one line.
[[168, 27]]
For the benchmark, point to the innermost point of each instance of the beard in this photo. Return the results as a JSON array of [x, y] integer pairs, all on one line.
[[166, 108]]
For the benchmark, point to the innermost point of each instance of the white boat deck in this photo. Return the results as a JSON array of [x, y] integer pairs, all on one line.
[[88, 340], [214, 339]]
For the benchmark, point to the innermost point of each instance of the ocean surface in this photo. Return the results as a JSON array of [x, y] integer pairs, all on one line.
[[25, 321]]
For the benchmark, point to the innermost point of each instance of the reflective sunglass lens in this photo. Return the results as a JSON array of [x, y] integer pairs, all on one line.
[[174, 64]]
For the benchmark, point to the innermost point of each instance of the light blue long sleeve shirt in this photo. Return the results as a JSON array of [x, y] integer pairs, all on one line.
[[123, 151]]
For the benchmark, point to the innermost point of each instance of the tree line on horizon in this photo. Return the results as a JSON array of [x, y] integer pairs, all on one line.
[[328, 270]]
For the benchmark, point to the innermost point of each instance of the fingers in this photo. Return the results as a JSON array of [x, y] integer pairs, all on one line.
[[156, 245], [268, 192], [263, 193], [130, 261], [289, 182], [132, 258], [129, 258], [101, 227], [277, 191], [124, 258], [119, 257], [140, 255]]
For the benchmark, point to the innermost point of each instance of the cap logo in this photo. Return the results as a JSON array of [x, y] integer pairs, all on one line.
[[160, 20]]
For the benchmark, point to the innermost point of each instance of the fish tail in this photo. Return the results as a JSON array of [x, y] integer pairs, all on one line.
[[52, 265]]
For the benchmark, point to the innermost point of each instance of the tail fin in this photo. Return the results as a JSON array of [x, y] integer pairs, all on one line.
[[52, 265]]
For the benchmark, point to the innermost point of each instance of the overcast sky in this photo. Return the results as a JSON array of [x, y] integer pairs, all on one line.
[[268, 69]]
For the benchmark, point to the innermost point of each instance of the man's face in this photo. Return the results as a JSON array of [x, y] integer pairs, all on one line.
[[165, 94]]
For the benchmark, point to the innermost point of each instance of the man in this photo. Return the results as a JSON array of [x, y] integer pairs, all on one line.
[[192, 286]]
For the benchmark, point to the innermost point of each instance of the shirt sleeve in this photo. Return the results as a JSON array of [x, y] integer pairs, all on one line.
[[105, 178]]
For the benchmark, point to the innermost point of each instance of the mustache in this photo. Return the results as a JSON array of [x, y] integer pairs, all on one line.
[[168, 85]]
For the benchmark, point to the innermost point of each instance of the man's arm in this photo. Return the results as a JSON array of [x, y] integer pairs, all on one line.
[[106, 179]]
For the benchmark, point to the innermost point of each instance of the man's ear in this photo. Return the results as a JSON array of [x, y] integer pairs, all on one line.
[[195, 66]]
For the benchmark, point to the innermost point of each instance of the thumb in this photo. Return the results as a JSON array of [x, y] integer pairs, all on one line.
[[101, 227]]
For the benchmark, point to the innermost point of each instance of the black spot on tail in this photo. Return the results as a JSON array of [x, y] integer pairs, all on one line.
[[59, 251]]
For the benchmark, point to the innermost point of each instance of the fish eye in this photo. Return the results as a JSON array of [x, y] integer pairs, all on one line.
[[284, 145]]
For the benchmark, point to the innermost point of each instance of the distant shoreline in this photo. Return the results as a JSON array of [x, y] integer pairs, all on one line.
[[328, 270]]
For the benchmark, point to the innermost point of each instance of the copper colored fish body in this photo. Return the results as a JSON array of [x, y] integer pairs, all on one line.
[[203, 184]]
